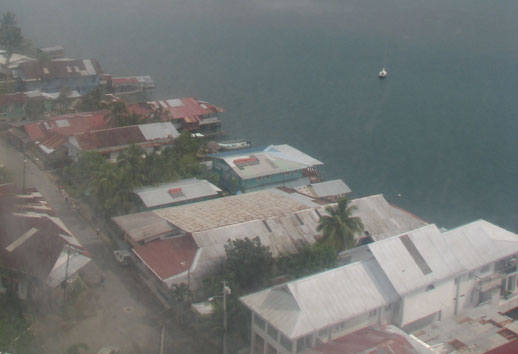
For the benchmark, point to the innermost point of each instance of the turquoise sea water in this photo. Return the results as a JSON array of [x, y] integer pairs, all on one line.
[[441, 130]]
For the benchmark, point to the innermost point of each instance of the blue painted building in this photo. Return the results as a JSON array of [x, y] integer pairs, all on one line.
[[266, 167], [78, 75]]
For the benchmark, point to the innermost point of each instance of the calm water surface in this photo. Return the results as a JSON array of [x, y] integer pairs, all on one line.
[[441, 130]]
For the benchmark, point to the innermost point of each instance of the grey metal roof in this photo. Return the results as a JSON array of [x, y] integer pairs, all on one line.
[[192, 188], [309, 304], [382, 219], [237, 209], [153, 131], [480, 243], [144, 225], [448, 254], [271, 160], [325, 189]]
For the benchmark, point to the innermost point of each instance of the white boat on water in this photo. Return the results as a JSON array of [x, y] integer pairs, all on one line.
[[383, 73], [234, 145]]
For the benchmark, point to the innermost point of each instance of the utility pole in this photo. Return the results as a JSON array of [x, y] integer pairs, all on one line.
[[226, 291], [24, 166]]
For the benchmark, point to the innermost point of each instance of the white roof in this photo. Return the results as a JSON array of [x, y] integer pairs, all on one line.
[[309, 304], [481, 243], [382, 219], [273, 159], [154, 131], [425, 256], [191, 188], [325, 189]]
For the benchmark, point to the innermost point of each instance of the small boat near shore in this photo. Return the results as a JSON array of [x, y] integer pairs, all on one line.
[[234, 144], [383, 73]]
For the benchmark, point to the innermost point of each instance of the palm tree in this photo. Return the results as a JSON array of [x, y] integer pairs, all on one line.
[[339, 227]]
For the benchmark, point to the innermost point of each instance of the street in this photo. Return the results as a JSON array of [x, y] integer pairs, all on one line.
[[116, 308]]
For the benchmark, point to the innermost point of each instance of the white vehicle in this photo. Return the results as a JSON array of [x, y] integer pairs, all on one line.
[[383, 73], [122, 256], [109, 350]]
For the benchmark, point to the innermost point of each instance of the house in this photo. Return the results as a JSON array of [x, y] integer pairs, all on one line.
[[188, 113], [264, 167], [132, 88], [54, 52], [285, 221], [15, 105], [51, 136], [37, 251], [409, 280], [81, 75], [112, 141], [176, 193]]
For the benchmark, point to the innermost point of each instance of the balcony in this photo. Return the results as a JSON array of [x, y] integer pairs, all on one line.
[[489, 282]]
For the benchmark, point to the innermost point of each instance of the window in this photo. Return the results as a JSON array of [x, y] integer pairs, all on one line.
[[373, 313], [271, 349], [272, 332], [485, 269], [388, 307], [259, 322], [259, 178], [322, 332], [285, 342], [287, 173], [259, 344], [430, 287], [268, 177]]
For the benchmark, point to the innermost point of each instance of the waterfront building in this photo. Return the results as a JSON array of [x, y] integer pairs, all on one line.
[[112, 141], [132, 88], [75, 74], [264, 167], [176, 193], [186, 243], [410, 280]]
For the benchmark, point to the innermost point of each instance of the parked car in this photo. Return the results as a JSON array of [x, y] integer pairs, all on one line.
[[109, 350], [122, 256]]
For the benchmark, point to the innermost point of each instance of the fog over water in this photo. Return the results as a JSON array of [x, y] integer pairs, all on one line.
[[441, 130]]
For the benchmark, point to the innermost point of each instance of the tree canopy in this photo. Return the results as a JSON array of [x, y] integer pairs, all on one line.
[[249, 262], [11, 37], [339, 227]]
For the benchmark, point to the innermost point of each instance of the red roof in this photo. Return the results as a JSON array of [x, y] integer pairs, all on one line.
[[124, 80], [66, 125], [167, 258], [142, 109], [35, 70], [12, 98], [188, 108], [111, 137], [37, 254], [366, 340], [510, 347]]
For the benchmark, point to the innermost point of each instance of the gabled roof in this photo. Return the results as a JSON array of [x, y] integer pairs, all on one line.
[[123, 136], [306, 305], [34, 71], [270, 160], [331, 188], [382, 219], [32, 239], [425, 256], [66, 125], [187, 108], [186, 189]]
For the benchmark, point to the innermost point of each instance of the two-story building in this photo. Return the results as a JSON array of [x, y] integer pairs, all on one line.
[[112, 141], [409, 280], [264, 167], [81, 75]]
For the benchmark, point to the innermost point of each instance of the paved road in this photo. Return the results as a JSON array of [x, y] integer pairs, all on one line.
[[122, 312]]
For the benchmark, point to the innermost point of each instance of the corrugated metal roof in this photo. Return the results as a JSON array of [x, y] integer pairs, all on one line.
[[231, 210], [456, 251], [154, 131], [192, 188], [325, 189], [382, 219], [273, 159], [144, 225], [481, 243], [309, 304]]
